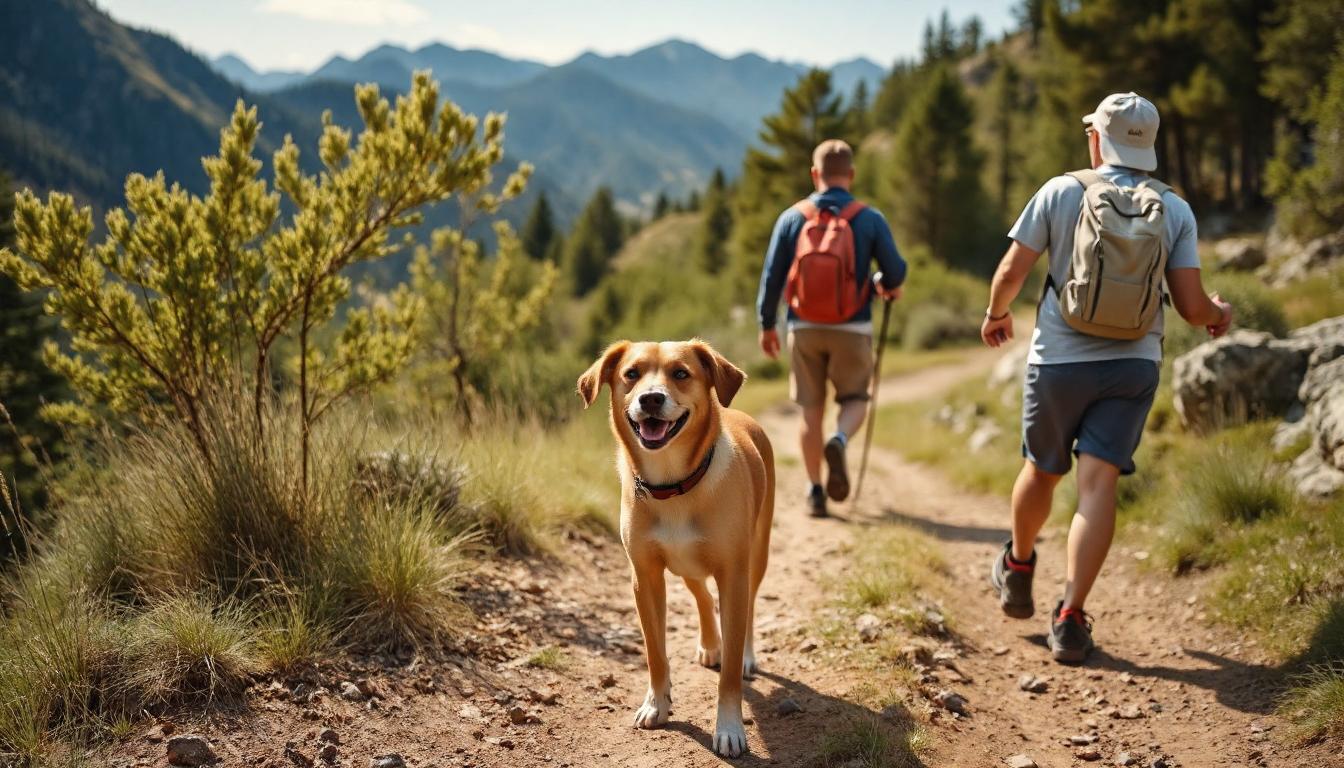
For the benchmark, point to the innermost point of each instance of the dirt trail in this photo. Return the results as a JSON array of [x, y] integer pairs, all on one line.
[[1161, 685]]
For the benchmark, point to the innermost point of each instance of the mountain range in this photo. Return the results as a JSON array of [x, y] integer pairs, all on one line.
[[86, 100]]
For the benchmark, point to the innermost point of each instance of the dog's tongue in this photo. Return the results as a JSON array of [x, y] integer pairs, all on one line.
[[653, 430]]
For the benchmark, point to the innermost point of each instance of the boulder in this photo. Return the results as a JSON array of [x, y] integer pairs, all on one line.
[[1242, 254], [189, 750], [1315, 255], [984, 435], [1246, 374], [1008, 370], [1324, 390], [1314, 478]]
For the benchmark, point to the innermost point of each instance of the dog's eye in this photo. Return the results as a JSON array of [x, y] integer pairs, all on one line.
[[631, 374], [681, 373]]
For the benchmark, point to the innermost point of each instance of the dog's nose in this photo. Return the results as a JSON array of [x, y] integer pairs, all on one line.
[[652, 401]]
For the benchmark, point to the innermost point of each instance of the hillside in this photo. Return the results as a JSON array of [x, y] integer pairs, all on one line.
[[84, 101]]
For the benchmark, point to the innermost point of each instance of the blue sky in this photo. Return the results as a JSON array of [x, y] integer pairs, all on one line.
[[301, 34]]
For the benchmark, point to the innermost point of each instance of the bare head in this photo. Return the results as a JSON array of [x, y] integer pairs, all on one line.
[[659, 388], [832, 165]]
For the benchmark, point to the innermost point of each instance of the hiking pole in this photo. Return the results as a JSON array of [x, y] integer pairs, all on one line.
[[872, 397]]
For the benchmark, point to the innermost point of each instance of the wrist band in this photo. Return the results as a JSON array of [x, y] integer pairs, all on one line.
[[994, 319]]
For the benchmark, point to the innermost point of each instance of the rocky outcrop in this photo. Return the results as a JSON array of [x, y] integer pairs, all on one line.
[[1319, 471], [1244, 375], [1242, 254], [1305, 259]]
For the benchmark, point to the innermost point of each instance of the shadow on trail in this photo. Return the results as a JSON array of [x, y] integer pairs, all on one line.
[[829, 731], [947, 531], [1248, 688]]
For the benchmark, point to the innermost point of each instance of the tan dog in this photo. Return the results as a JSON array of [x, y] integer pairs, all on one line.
[[697, 499]]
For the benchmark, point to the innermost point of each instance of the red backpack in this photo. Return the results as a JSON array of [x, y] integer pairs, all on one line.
[[823, 284]]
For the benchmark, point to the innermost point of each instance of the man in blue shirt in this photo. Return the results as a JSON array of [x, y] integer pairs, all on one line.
[[1085, 395], [841, 353]]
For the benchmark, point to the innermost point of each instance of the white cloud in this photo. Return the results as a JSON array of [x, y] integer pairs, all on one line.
[[354, 12]]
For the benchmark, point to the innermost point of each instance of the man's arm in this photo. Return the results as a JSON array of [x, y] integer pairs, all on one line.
[[778, 259], [1194, 306], [1011, 274], [888, 259]]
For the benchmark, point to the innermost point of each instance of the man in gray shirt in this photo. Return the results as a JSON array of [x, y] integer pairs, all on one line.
[[1085, 395]]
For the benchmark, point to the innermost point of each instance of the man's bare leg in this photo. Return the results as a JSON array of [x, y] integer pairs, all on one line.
[[1092, 528], [1033, 496]]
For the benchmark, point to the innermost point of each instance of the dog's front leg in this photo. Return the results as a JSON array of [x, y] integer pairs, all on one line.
[[651, 603], [730, 736]]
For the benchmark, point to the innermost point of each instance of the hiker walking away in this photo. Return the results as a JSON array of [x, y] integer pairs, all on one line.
[[818, 260], [1113, 233]]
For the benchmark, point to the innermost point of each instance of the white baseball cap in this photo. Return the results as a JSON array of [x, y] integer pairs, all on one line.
[[1127, 124]]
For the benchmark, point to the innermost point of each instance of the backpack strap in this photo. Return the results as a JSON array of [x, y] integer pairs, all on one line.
[[1161, 188], [1087, 177], [853, 209], [807, 208]]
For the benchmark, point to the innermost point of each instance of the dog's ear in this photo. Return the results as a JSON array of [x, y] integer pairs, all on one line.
[[726, 377], [600, 372]]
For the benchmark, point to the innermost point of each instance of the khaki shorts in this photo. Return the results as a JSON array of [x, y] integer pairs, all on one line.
[[818, 355]]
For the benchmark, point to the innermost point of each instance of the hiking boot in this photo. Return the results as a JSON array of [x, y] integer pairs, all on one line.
[[837, 476], [816, 502], [1070, 637], [1012, 580]]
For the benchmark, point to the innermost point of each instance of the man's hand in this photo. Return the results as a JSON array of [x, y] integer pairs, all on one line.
[[890, 294], [770, 343], [996, 333], [1220, 328]]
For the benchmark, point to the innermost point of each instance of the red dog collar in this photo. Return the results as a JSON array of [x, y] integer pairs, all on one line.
[[662, 492]]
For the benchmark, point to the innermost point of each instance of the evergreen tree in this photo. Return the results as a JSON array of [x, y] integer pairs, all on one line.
[[539, 230], [1006, 100], [859, 116], [693, 201], [776, 174], [893, 96], [661, 206], [972, 36], [935, 191], [597, 236], [715, 228], [26, 382], [1311, 194]]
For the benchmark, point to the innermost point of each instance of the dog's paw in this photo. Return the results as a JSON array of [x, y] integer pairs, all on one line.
[[654, 711], [708, 657], [730, 737]]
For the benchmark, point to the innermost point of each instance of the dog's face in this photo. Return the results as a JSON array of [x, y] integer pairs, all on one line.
[[658, 388]]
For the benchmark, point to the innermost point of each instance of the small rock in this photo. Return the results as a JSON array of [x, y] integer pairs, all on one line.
[[1125, 677], [1124, 758], [1129, 712], [1019, 761], [1032, 684], [1089, 754], [388, 761], [606, 681], [534, 588], [351, 692], [787, 707], [952, 702], [1141, 555], [189, 750], [329, 753], [366, 687], [328, 736], [809, 645], [1081, 740], [296, 757], [999, 650], [869, 627], [1159, 762], [542, 697], [517, 715]]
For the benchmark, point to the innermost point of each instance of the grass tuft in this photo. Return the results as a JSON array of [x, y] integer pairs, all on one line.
[[551, 657], [1315, 705], [187, 647]]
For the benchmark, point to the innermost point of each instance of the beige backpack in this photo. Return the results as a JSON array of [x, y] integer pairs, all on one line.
[[1114, 285]]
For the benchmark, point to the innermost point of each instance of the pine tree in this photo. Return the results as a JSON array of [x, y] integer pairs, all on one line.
[[935, 190], [539, 230], [187, 292], [25, 383], [693, 201], [715, 228], [590, 247], [776, 174], [859, 116], [1310, 194], [893, 96], [661, 206], [1006, 95]]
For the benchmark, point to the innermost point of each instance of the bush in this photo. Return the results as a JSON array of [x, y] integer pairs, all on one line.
[[931, 326], [1315, 704], [188, 646]]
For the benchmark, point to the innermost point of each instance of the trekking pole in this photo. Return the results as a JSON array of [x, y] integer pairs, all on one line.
[[872, 397]]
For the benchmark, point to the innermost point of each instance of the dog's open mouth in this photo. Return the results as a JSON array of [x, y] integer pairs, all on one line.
[[655, 433]]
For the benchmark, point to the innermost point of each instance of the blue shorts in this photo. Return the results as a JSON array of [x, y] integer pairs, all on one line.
[[1097, 408]]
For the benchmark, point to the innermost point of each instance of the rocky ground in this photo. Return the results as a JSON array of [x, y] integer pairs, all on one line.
[[551, 672]]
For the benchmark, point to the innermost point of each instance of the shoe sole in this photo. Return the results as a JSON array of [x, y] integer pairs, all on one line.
[[837, 476], [1069, 655], [1012, 610], [818, 513]]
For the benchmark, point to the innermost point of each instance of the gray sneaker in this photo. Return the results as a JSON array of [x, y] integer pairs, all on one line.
[[1070, 637], [837, 475], [1012, 580]]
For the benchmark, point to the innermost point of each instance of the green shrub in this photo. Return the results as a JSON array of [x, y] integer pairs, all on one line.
[[1314, 706], [1255, 307], [931, 326], [189, 646]]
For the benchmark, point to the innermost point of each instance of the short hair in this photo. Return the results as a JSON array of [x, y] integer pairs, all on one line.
[[833, 157]]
